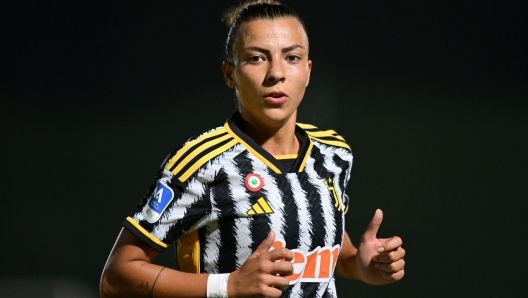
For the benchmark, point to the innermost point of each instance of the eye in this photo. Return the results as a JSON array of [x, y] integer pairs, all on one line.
[[255, 59], [293, 58]]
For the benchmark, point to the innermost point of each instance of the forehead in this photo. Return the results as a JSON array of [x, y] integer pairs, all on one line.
[[281, 32]]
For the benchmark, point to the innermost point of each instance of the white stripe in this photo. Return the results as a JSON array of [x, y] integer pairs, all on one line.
[[242, 205], [305, 220], [274, 199]]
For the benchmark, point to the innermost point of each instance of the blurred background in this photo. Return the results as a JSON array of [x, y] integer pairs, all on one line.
[[431, 95]]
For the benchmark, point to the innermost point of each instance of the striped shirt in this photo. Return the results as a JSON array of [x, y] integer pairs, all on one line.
[[220, 194]]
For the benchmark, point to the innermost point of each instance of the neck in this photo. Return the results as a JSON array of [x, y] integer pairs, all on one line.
[[277, 140]]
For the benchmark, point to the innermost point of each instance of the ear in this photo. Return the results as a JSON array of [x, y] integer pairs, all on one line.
[[227, 69], [309, 72]]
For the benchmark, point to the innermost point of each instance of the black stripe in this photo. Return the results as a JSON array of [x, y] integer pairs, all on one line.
[[314, 129], [302, 151], [227, 219], [343, 165], [338, 215], [286, 293], [193, 213], [327, 293], [310, 289], [200, 155], [315, 208], [193, 148], [201, 237], [329, 138], [291, 223]]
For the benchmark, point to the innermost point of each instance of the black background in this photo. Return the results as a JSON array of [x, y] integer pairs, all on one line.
[[431, 95]]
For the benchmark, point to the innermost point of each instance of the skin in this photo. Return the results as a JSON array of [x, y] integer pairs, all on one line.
[[270, 56]]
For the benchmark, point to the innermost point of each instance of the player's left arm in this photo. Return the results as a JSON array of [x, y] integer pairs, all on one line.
[[376, 261]]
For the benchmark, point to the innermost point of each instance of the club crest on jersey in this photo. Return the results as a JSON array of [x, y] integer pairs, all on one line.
[[333, 193], [254, 182], [158, 202]]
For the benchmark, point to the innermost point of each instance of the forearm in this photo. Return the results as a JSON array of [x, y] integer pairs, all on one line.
[[129, 272], [347, 265], [143, 279]]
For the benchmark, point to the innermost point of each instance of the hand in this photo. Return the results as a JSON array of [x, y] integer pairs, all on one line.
[[260, 275], [380, 261]]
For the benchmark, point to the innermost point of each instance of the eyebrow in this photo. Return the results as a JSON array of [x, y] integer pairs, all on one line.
[[284, 50]]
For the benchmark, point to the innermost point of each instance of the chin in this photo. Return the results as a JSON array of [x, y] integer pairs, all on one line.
[[278, 116]]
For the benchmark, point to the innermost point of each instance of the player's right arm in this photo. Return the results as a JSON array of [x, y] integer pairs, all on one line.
[[129, 272]]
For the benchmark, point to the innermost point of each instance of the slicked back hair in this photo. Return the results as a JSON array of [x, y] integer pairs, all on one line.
[[250, 11]]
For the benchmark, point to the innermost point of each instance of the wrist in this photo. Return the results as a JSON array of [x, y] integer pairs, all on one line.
[[217, 285]]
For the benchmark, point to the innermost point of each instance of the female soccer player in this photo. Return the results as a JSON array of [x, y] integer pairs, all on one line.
[[256, 206]]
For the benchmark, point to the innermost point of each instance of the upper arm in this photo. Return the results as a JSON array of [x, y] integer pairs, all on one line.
[[128, 248], [128, 254]]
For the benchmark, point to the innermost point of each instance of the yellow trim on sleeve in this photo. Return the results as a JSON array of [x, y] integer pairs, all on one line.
[[285, 156], [205, 158], [253, 151], [190, 144], [144, 232]]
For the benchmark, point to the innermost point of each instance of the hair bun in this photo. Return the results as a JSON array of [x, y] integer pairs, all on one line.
[[230, 16]]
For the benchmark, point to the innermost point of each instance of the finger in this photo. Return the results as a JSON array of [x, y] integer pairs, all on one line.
[[270, 292], [392, 277], [390, 267], [265, 245], [280, 253], [283, 268], [277, 281], [391, 244], [373, 226], [390, 256]]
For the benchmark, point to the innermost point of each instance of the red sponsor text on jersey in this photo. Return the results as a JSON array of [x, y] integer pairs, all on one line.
[[315, 266]]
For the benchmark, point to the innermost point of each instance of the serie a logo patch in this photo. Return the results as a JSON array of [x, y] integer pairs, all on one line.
[[158, 202]]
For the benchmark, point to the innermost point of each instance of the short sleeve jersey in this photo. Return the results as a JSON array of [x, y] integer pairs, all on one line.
[[220, 194]]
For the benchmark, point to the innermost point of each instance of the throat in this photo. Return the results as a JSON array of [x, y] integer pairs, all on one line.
[[280, 141]]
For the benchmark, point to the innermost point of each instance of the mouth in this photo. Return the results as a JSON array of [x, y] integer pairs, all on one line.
[[276, 97]]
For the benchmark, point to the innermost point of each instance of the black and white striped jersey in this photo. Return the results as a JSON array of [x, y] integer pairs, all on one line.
[[220, 194]]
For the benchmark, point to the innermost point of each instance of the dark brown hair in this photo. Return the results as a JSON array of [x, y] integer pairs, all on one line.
[[253, 10]]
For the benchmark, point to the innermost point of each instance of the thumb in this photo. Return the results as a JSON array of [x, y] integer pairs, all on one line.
[[373, 226], [265, 245]]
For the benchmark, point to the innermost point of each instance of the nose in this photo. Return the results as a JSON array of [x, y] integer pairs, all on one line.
[[275, 72]]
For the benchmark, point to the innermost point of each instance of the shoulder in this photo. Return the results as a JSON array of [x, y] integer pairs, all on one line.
[[197, 151], [329, 137]]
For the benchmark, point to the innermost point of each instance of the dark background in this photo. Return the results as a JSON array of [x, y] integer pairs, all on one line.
[[431, 95]]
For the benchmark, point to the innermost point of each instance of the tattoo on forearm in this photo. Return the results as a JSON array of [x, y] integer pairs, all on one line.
[[154, 284], [144, 285]]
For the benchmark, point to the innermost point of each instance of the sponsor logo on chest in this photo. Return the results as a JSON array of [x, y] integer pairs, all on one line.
[[317, 265]]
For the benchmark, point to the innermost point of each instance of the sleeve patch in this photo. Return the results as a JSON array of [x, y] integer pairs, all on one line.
[[158, 202]]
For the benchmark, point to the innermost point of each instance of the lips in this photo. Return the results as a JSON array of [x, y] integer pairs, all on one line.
[[276, 97]]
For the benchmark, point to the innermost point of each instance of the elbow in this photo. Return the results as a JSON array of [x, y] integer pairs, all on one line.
[[106, 288]]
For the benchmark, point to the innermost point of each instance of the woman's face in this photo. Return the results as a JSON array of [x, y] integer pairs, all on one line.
[[270, 71]]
